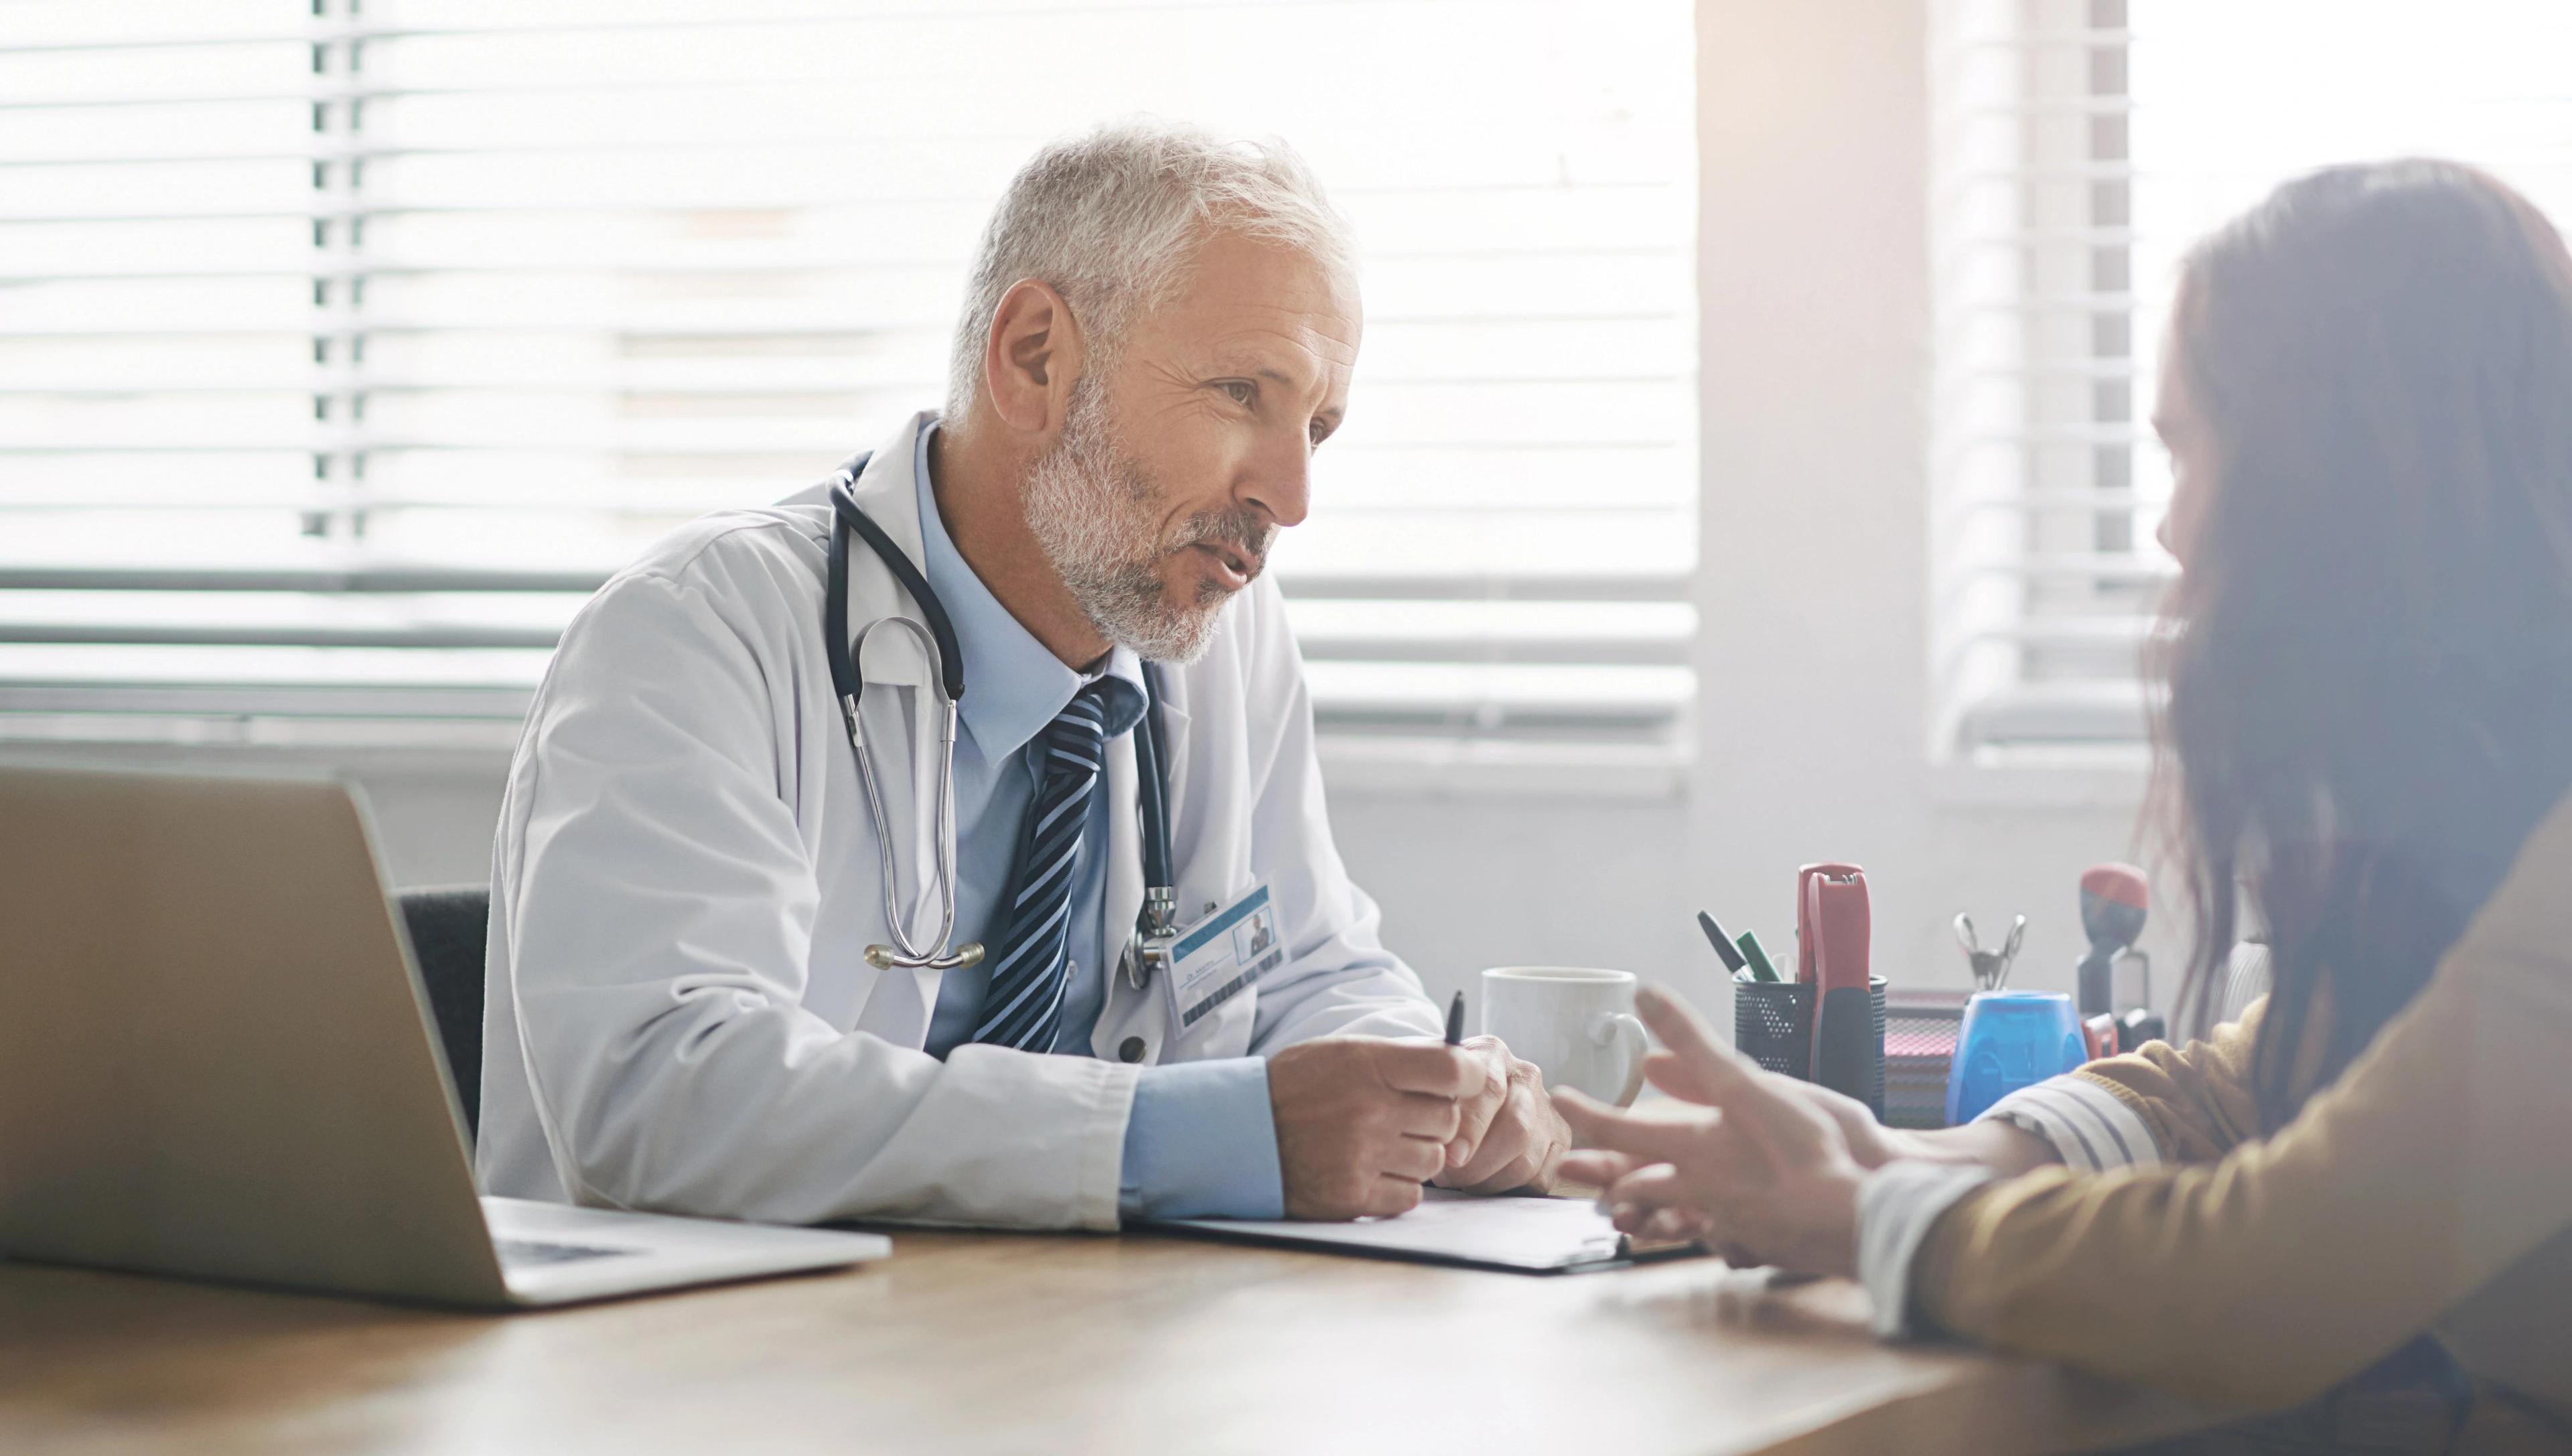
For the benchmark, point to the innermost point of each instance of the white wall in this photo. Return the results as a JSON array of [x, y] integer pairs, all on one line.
[[1812, 739], [1470, 883]]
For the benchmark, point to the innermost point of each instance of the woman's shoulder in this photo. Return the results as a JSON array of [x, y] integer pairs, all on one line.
[[2531, 912]]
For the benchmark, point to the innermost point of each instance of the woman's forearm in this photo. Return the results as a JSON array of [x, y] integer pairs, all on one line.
[[2004, 1147]]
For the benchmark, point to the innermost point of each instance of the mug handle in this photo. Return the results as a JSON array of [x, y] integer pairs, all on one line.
[[1623, 1029]]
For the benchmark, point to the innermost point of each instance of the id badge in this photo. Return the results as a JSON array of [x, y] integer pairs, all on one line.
[[1219, 957]]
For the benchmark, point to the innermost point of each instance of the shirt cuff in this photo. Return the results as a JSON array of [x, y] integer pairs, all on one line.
[[1201, 1143], [2091, 1127], [1896, 1204]]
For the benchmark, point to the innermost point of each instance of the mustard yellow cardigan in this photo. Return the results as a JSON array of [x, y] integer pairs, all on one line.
[[2430, 1186]]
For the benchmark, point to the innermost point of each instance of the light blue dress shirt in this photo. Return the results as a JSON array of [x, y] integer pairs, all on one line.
[[1201, 1141]]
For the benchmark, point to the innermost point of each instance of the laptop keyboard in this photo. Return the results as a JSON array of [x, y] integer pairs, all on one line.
[[526, 1251]]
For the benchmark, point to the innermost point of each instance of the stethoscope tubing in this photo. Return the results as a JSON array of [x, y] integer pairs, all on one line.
[[937, 637]]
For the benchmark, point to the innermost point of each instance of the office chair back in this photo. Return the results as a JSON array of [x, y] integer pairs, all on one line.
[[447, 927]]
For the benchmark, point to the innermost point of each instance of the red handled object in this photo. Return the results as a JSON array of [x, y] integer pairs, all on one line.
[[1805, 939], [2114, 901], [2099, 1034], [1835, 924]]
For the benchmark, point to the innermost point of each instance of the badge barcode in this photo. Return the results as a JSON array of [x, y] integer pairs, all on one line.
[[1232, 988]]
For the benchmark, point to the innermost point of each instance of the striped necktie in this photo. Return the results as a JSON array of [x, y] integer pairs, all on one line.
[[1022, 1004]]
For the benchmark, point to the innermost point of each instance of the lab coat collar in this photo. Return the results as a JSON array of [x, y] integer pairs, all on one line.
[[883, 491], [883, 487], [1013, 684]]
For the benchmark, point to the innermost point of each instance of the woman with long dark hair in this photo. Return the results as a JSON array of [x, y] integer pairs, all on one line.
[[2367, 736]]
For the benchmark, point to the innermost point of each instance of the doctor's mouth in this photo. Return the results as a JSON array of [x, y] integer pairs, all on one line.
[[1228, 568]]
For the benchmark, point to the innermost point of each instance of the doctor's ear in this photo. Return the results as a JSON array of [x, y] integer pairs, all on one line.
[[1031, 358]]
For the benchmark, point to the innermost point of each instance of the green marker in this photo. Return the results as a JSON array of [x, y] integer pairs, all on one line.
[[1759, 959]]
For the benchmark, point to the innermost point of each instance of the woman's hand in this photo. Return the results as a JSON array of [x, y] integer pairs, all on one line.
[[1870, 1142], [1766, 1171]]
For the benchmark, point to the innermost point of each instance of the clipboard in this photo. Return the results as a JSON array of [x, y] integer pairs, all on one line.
[[1518, 1235]]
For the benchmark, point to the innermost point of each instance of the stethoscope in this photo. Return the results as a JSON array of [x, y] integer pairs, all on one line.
[[936, 637]]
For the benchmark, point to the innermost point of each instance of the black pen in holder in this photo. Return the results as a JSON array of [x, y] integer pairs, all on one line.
[[1772, 1024]]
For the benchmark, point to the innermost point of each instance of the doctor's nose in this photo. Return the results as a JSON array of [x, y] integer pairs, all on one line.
[[1279, 485]]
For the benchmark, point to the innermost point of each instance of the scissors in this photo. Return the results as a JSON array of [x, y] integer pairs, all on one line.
[[1991, 968]]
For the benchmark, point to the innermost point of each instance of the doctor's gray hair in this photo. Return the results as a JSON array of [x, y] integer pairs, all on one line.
[[1112, 219]]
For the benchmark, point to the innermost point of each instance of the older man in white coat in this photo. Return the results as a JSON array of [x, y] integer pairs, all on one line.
[[682, 1015]]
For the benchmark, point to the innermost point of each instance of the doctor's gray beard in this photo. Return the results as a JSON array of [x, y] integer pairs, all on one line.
[[1090, 506]]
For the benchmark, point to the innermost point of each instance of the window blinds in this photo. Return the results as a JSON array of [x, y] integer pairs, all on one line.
[[347, 346], [2041, 520], [2078, 148]]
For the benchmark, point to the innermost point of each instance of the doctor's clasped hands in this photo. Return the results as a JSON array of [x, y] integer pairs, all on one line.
[[1364, 1122]]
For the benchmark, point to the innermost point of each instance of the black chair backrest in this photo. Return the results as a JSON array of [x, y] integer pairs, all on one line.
[[448, 928]]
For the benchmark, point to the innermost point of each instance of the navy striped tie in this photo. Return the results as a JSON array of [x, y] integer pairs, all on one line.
[[1022, 1006]]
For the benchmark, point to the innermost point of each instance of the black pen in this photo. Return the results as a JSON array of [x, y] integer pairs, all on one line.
[[1723, 948], [1455, 1021]]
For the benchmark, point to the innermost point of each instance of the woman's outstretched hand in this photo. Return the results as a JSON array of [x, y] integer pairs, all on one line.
[[1763, 1168]]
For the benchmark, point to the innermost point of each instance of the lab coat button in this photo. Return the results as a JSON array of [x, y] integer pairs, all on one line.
[[1131, 1050]]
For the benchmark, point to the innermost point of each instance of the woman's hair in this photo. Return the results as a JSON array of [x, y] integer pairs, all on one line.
[[2370, 656]]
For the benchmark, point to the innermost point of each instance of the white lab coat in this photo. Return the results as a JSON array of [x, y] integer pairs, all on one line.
[[679, 1013]]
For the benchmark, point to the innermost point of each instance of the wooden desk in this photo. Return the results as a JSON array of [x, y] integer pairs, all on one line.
[[1003, 1344]]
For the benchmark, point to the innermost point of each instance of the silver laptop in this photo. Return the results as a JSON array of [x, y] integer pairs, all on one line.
[[215, 1061]]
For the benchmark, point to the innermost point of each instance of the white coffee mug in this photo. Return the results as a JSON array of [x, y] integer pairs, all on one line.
[[1576, 1025]]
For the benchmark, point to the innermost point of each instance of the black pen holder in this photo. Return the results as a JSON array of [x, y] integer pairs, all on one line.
[[1772, 1024]]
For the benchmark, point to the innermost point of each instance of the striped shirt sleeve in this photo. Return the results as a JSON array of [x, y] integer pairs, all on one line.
[[1896, 1205], [2090, 1127]]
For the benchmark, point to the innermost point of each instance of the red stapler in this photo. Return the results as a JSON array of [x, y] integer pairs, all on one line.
[[1834, 925]]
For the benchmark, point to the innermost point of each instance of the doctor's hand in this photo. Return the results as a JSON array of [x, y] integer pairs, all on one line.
[[1507, 1136], [1362, 1121], [1763, 1173]]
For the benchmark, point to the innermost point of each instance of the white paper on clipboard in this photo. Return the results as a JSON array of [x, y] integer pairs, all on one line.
[[1530, 1235]]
